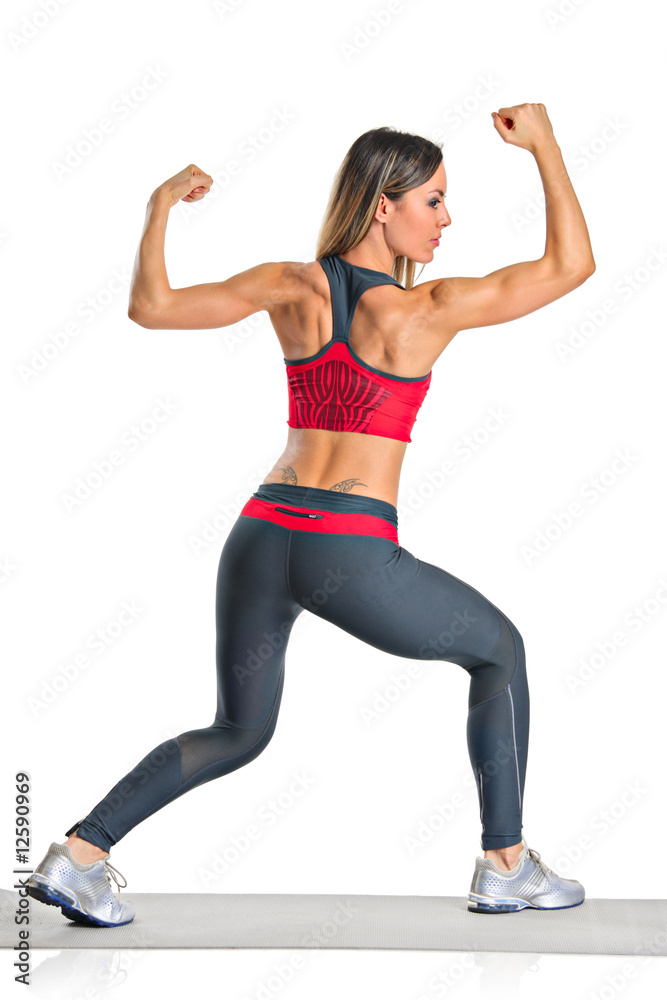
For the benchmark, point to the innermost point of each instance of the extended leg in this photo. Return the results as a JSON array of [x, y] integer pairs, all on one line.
[[254, 618]]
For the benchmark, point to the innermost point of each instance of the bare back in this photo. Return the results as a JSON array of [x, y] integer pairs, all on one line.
[[390, 330]]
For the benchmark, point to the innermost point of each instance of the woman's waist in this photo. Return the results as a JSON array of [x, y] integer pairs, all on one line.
[[351, 486], [341, 462], [316, 498]]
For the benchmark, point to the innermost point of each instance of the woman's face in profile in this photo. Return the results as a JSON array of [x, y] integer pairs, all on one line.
[[417, 220]]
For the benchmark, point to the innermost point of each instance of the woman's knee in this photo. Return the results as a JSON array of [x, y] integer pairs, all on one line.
[[496, 668], [222, 748]]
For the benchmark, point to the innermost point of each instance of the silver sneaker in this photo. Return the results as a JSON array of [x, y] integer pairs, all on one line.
[[529, 884], [84, 893]]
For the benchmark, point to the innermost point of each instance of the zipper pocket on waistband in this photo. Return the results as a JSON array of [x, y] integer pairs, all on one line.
[[296, 512]]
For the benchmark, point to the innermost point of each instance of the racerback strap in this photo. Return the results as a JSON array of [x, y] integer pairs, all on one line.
[[348, 282]]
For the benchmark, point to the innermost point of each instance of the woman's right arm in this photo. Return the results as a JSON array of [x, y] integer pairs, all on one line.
[[518, 289], [154, 304]]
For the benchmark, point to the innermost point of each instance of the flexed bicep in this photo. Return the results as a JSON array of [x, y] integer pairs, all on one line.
[[503, 295], [218, 303]]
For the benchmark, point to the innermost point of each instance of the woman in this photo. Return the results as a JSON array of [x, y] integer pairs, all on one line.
[[359, 341]]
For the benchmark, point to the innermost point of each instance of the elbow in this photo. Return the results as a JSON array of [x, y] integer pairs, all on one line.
[[141, 318], [577, 273], [133, 315], [584, 268], [570, 274]]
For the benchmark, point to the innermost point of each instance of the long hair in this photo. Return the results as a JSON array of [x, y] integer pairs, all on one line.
[[382, 160]]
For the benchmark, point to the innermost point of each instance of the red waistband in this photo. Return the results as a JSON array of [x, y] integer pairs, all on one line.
[[327, 521]]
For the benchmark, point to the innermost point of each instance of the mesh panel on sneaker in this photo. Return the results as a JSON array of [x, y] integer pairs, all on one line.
[[65, 850]]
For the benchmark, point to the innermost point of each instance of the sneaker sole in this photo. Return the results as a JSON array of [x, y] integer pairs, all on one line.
[[52, 896], [511, 906]]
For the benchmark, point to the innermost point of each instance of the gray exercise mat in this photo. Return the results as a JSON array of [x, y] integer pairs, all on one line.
[[414, 923]]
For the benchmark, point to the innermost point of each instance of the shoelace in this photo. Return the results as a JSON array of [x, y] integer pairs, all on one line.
[[537, 857], [110, 875]]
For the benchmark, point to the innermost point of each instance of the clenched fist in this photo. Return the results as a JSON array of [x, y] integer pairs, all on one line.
[[524, 125], [190, 184]]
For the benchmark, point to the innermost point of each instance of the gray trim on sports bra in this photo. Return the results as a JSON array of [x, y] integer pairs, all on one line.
[[347, 286]]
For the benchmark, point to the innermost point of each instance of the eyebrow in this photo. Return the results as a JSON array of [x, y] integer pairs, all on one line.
[[437, 191]]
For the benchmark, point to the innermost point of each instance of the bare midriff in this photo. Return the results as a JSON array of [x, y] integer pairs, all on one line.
[[345, 462]]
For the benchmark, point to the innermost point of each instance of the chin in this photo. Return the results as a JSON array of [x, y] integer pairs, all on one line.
[[422, 256]]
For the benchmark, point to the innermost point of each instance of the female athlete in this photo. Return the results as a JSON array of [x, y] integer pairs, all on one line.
[[320, 534]]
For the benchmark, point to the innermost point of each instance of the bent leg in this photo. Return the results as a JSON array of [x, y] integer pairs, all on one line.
[[254, 617], [385, 596]]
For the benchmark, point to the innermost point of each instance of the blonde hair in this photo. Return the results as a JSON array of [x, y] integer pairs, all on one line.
[[381, 161]]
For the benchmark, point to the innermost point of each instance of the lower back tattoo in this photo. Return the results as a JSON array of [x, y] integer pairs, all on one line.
[[344, 486]]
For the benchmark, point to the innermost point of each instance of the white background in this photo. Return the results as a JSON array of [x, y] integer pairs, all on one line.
[[218, 74]]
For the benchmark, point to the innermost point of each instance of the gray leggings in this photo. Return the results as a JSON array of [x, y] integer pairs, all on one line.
[[336, 555]]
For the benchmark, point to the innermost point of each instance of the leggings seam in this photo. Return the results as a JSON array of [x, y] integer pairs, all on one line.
[[515, 751], [516, 758], [288, 548], [502, 690]]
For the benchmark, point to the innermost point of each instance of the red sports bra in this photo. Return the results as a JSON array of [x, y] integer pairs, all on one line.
[[334, 389]]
